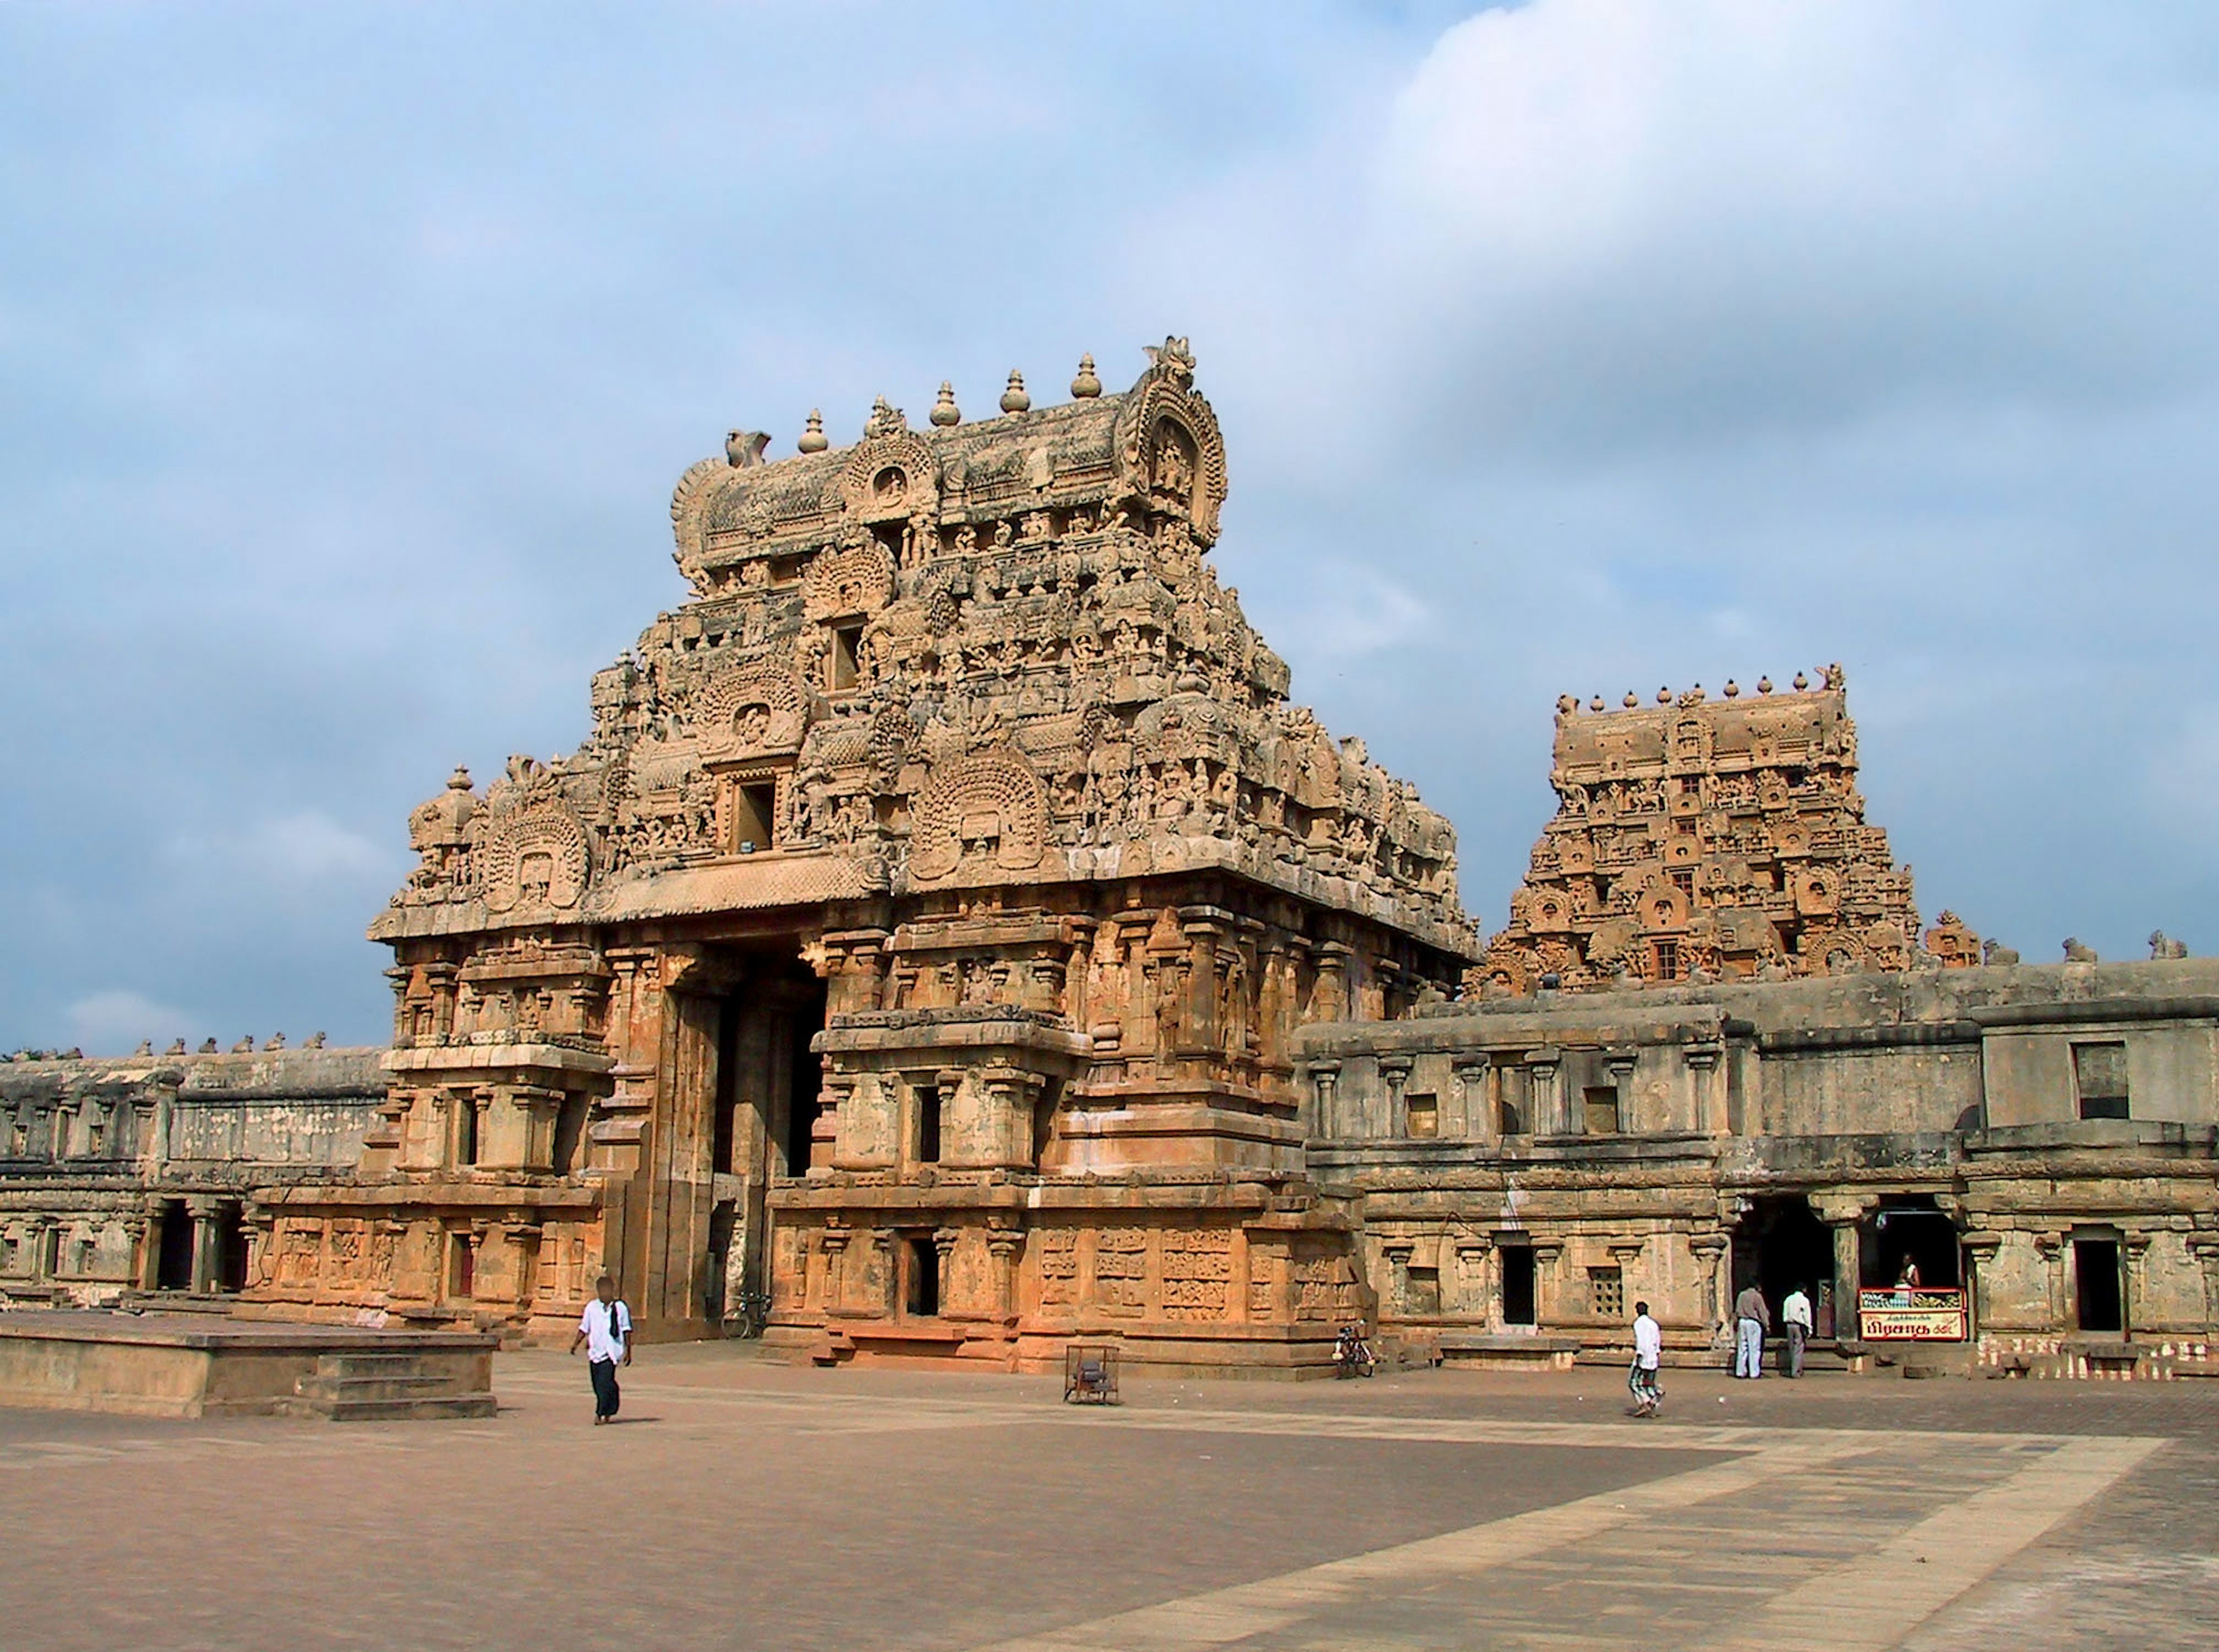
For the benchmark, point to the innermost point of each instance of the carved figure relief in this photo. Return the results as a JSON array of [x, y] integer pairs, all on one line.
[[536, 858], [989, 805]]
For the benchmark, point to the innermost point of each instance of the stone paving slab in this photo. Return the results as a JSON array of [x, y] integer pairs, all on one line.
[[747, 1505]]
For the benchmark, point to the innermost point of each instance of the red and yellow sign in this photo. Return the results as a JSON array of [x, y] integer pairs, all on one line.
[[1911, 1313]]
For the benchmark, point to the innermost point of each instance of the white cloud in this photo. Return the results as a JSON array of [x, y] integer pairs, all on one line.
[[114, 1021], [304, 847]]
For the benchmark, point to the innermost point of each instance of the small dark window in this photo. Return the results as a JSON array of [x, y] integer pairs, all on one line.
[[1424, 1109], [466, 1130], [2100, 1074], [847, 639], [462, 1268], [1684, 881], [1606, 1293], [1518, 1284], [1602, 1110], [1667, 960], [923, 1295], [755, 808], [928, 1124]]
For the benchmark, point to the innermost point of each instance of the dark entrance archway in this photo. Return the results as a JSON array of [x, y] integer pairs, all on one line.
[[173, 1261], [1782, 1244]]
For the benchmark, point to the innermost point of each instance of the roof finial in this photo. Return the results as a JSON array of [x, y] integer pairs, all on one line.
[[1014, 400], [1086, 385], [1801, 681], [1764, 684], [1734, 688], [1632, 699], [813, 439], [1664, 696], [1595, 704], [944, 411]]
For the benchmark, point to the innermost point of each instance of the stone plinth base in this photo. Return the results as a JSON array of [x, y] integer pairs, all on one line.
[[154, 1365], [1499, 1351]]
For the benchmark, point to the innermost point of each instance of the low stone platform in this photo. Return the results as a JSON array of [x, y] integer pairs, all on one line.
[[186, 1365]]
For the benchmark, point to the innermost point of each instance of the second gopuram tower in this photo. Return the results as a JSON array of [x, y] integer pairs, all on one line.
[[919, 935]]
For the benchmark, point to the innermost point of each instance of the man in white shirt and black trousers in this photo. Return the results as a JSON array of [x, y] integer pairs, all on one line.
[[605, 1332]]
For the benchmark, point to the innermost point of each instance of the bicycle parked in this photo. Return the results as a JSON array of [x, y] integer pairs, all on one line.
[[1352, 1354], [750, 1313]]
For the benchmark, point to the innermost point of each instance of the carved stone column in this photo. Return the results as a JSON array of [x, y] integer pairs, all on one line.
[[1710, 1251], [1003, 1245], [1475, 1256], [136, 1228], [2050, 1247], [1324, 1078], [1473, 1120], [831, 1293], [2133, 1258], [2205, 1249], [1398, 1252], [1545, 1282], [1981, 1249], [943, 1249], [205, 1242], [1394, 1073], [1548, 1111]]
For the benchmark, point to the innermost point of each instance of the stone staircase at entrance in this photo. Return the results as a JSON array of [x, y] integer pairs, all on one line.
[[388, 1387]]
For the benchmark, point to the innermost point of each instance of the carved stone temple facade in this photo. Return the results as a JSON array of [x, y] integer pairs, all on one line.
[[921, 931], [950, 928]]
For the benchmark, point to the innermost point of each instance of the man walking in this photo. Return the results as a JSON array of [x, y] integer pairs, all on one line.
[[1648, 1355], [1795, 1320], [1752, 1320], [605, 1332]]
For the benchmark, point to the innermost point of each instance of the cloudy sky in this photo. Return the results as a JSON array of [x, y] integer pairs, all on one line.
[[349, 356]]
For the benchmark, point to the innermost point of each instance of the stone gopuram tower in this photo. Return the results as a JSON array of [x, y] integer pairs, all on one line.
[[1701, 839], [919, 936]]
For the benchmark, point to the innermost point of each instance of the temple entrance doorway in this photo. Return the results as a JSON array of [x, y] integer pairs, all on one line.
[[1780, 1245], [2099, 1303], [173, 1261], [762, 1117]]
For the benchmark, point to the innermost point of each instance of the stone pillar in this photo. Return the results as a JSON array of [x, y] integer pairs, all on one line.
[[1981, 1249], [2051, 1249], [1398, 1252], [1710, 1251], [1628, 1254], [1003, 1245], [1473, 1120], [2134, 1255], [1548, 1115], [2205, 1249], [1325, 1077], [148, 1259], [943, 1252], [1545, 1284], [205, 1240], [1394, 1073], [834, 1240], [1475, 1256]]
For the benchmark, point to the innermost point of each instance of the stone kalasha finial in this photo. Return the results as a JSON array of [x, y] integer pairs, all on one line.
[[1733, 689], [1595, 704], [1664, 697], [1632, 699], [1086, 385], [1764, 684], [813, 439], [459, 781], [1015, 399], [1802, 681], [944, 411], [744, 448]]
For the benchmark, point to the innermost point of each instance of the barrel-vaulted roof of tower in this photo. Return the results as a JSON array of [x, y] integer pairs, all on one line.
[[1153, 450]]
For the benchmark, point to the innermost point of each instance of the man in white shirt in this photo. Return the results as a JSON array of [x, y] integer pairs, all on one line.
[[605, 1332], [1795, 1317], [1648, 1355]]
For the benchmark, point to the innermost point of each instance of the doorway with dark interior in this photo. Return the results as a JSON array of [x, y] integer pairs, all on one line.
[[2100, 1299], [765, 1106], [173, 1261], [1518, 1295], [1780, 1246], [1909, 1232]]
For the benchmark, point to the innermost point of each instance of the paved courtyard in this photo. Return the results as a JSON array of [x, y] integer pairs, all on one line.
[[745, 1504]]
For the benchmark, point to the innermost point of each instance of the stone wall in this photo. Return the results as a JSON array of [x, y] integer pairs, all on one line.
[[99, 1157], [1652, 1144]]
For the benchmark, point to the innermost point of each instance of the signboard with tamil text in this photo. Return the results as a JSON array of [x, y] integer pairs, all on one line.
[[1911, 1313]]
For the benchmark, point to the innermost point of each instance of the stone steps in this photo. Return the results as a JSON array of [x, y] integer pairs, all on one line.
[[388, 1386]]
